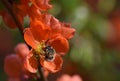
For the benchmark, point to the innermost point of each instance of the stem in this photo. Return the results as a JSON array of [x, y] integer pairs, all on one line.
[[10, 10], [40, 70], [21, 28]]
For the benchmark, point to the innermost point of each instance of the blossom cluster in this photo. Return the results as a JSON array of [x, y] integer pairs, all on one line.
[[46, 36]]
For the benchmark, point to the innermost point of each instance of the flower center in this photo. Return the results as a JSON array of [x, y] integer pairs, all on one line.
[[49, 53], [44, 51]]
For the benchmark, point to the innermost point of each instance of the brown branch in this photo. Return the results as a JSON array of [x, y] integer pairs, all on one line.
[[41, 72], [10, 10]]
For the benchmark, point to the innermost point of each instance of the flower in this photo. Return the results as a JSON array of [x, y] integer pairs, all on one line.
[[113, 38], [20, 11], [58, 27], [39, 32], [66, 77], [31, 64], [13, 64], [48, 41], [22, 50], [23, 8]]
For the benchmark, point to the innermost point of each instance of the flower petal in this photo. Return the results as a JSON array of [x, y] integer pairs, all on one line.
[[30, 63], [76, 78], [55, 25], [42, 4], [64, 77], [52, 22], [8, 20], [53, 66], [22, 50], [13, 65], [67, 31], [29, 38], [35, 12], [39, 30], [45, 18], [60, 44]]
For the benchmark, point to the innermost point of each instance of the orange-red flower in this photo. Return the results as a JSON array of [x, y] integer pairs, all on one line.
[[23, 8], [13, 64], [45, 36], [20, 10], [31, 63], [56, 26], [39, 32]]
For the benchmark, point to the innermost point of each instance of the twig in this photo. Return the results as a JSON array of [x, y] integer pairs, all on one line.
[[10, 10], [40, 70]]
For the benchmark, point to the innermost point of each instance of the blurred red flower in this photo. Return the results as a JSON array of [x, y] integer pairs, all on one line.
[[7, 19], [20, 11], [114, 37], [66, 77], [13, 64]]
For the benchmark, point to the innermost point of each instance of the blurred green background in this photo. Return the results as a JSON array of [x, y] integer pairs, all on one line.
[[95, 49]]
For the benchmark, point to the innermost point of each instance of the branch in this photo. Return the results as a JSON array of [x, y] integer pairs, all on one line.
[[40, 70], [10, 10]]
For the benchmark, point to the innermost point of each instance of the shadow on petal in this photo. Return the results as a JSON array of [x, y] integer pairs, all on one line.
[[31, 63]]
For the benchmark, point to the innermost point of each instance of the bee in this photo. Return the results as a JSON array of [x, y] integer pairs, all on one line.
[[49, 53]]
